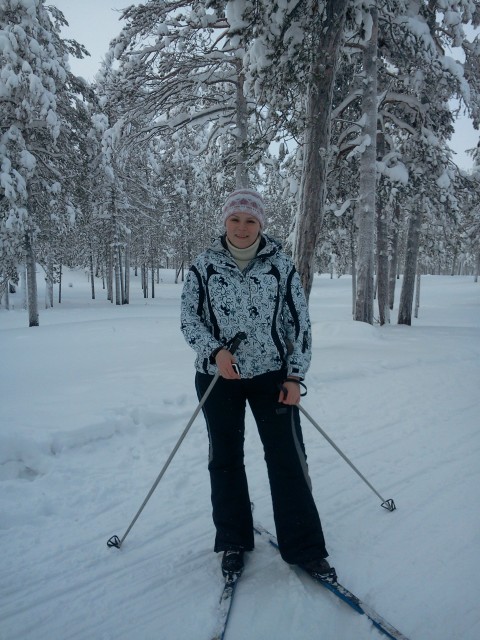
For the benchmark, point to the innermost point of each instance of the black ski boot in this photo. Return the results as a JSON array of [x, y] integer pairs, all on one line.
[[320, 569], [232, 561]]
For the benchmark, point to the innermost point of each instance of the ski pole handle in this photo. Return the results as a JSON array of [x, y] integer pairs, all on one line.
[[236, 341]]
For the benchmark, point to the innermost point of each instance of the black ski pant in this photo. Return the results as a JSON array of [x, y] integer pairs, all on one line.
[[298, 527]]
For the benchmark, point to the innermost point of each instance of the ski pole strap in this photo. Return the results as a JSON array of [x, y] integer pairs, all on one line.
[[302, 384], [282, 388]]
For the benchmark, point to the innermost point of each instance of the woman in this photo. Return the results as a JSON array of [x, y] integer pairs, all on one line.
[[245, 282]]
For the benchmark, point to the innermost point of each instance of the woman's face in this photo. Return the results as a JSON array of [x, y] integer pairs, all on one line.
[[242, 229]]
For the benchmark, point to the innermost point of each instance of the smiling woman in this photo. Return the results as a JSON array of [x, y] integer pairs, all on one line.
[[245, 283], [242, 230]]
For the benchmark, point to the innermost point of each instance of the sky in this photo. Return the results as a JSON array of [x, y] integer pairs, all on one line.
[[94, 23]]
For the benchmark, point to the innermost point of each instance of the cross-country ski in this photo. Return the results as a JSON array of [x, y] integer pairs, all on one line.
[[344, 594], [225, 605]]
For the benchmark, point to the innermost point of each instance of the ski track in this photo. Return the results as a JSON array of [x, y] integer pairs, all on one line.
[[404, 412]]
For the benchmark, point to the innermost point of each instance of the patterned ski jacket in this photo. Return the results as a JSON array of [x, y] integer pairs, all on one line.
[[266, 301]]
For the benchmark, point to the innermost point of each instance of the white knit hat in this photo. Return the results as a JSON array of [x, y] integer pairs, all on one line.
[[245, 201]]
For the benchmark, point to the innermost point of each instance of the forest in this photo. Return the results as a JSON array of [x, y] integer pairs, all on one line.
[[339, 112]]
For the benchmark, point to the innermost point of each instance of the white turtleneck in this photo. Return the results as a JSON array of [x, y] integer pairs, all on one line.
[[243, 256]]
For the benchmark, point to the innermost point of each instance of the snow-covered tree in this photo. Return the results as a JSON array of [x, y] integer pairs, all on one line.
[[368, 170], [34, 78], [416, 82], [292, 65], [181, 68]]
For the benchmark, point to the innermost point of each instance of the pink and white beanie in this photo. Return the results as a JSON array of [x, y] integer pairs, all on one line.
[[245, 201]]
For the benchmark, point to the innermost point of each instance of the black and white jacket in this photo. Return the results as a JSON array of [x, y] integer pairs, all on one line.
[[266, 301]]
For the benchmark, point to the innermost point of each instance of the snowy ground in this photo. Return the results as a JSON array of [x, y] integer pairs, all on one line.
[[93, 402]]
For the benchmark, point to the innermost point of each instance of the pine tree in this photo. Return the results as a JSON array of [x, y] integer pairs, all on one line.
[[35, 78]]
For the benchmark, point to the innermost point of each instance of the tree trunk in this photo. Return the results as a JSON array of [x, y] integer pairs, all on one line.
[[477, 267], [49, 283], [145, 280], [116, 272], [454, 262], [115, 250], [92, 275], [120, 276], [5, 295], [316, 139], [392, 272], [109, 273], [127, 272], [153, 280], [354, 271], [368, 176], [60, 283], [115, 258], [23, 283], [382, 251], [31, 282], [411, 256], [417, 293], [180, 270], [241, 168]]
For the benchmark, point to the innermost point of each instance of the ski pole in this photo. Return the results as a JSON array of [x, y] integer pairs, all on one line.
[[117, 542], [389, 504]]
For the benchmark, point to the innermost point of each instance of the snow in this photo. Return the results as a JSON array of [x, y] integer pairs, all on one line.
[[443, 181], [94, 401], [234, 12], [395, 173]]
